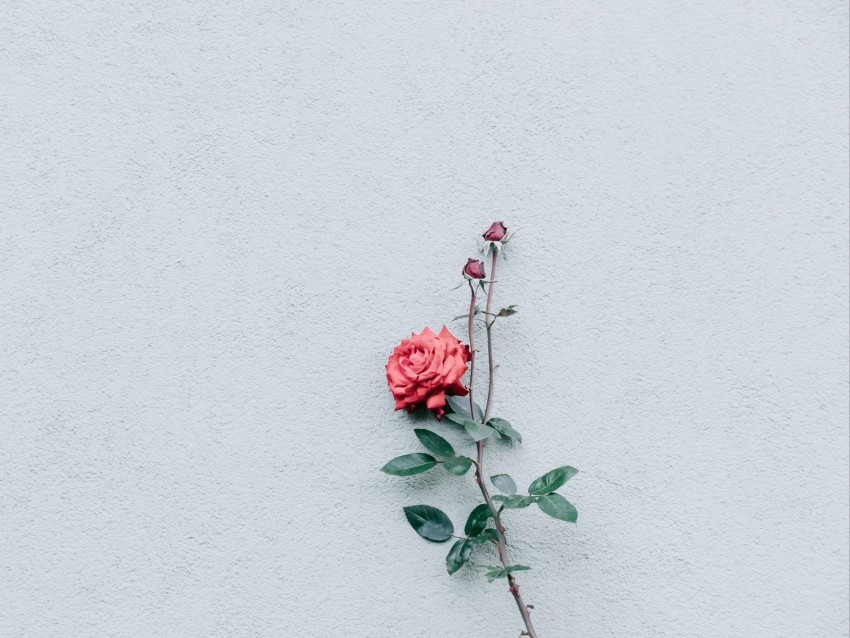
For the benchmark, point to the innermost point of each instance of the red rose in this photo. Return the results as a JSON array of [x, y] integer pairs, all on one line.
[[474, 269], [496, 232], [425, 368]]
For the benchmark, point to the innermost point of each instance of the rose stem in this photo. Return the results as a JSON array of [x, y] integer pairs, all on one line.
[[471, 347], [501, 545]]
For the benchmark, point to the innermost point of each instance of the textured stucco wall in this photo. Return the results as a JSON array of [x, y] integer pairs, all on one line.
[[216, 219]]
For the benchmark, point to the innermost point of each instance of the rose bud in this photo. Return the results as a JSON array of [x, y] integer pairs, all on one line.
[[496, 232], [474, 269], [426, 368]]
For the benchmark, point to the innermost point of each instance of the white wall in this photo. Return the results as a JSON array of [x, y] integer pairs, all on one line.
[[216, 219]]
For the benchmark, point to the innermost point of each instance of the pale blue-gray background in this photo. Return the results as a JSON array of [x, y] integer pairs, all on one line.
[[216, 219]]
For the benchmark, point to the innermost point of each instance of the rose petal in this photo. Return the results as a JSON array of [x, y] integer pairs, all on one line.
[[436, 401]]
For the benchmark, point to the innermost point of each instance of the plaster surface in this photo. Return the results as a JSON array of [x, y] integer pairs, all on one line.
[[218, 218]]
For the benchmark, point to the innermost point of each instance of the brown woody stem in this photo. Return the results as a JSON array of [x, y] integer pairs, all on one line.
[[471, 347], [501, 545]]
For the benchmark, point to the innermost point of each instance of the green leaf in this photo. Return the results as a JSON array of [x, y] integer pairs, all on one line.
[[496, 573], [466, 314], [458, 555], [434, 442], [429, 522], [558, 507], [503, 483], [457, 465], [479, 432], [477, 520], [459, 419], [507, 312], [460, 406], [502, 572], [409, 464], [551, 481], [475, 430], [505, 428], [514, 502], [488, 534]]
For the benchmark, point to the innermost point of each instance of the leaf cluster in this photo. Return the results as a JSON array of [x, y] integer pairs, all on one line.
[[541, 491], [434, 525], [418, 462]]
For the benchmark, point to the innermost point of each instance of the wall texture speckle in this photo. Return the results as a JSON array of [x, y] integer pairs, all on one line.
[[217, 218]]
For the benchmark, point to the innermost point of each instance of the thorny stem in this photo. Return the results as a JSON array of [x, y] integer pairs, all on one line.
[[501, 545], [471, 347], [489, 326]]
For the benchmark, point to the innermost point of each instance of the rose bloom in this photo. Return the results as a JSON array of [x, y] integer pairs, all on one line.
[[425, 368], [496, 232]]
